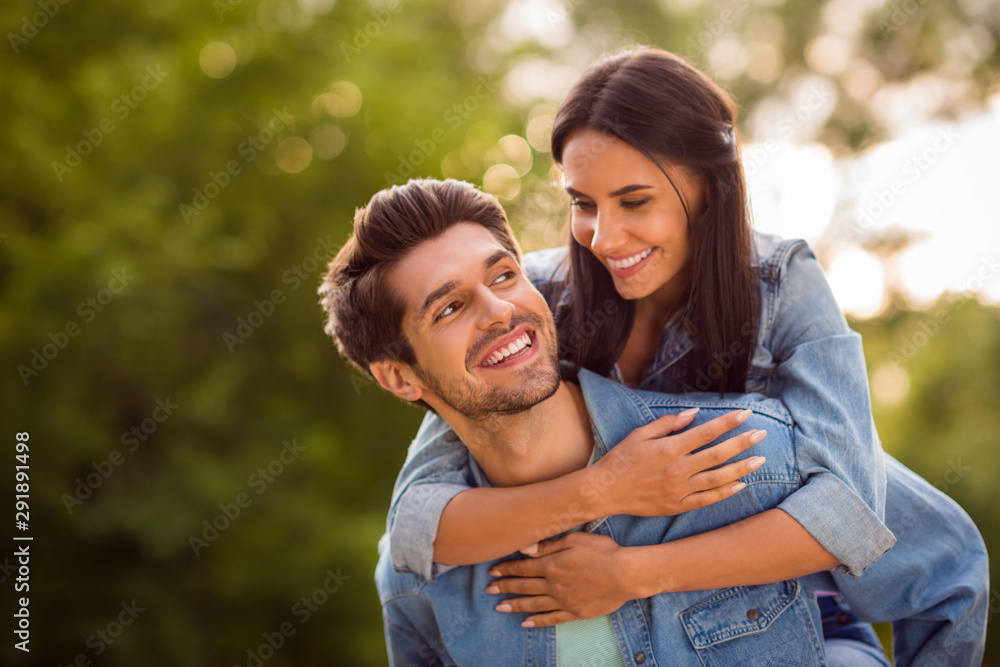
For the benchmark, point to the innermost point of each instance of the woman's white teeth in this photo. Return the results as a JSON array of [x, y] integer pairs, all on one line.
[[523, 341], [631, 261]]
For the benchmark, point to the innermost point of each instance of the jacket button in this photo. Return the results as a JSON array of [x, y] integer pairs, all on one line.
[[640, 658], [753, 614]]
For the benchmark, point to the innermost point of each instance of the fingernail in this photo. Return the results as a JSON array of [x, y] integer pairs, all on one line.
[[528, 624], [753, 464], [492, 589], [743, 416], [530, 550], [738, 486], [503, 607], [690, 412], [757, 437], [495, 573]]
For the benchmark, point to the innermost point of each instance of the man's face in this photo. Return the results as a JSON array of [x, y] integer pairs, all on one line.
[[483, 336]]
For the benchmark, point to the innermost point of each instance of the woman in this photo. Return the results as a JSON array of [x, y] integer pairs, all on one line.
[[669, 290]]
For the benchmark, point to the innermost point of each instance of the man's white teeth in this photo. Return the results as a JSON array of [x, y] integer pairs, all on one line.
[[631, 261], [523, 341]]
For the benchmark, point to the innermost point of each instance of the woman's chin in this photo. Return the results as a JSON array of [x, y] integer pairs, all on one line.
[[630, 291]]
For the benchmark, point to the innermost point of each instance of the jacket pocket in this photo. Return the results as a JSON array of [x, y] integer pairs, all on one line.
[[754, 625]]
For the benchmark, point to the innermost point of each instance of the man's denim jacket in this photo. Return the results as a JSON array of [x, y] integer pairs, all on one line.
[[451, 620], [810, 360]]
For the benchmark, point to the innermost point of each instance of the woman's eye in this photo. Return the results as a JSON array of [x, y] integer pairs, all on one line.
[[581, 204], [634, 203]]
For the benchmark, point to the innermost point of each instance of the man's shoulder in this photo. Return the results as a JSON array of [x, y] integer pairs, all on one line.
[[605, 396], [546, 266]]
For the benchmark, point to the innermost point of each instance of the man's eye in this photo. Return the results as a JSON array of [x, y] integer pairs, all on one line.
[[504, 277], [447, 310], [634, 203]]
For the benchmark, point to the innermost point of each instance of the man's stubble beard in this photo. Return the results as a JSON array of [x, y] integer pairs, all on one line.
[[538, 383]]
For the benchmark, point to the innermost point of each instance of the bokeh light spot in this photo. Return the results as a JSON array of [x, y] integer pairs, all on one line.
[[327, 141], [217, 60], [294, 155]]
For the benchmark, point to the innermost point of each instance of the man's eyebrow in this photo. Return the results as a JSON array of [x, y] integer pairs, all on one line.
[[496, 258], [617, 193], [435, 296], [444, 289]]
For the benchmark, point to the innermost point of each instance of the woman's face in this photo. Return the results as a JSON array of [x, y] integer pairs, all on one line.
[[629, 215]]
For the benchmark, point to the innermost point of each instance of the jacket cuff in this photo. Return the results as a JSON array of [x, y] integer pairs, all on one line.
[[414, 526], [840, 521]]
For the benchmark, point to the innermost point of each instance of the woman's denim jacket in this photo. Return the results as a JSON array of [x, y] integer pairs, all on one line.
[[809, 359]]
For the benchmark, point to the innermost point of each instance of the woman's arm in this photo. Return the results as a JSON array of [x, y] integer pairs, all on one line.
[[583, 575], [823, 382], [650, 473]]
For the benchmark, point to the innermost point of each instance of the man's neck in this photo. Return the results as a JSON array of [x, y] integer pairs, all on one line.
[[547, 441]]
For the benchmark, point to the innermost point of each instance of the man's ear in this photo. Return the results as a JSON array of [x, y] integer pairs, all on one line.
[[398, 378]]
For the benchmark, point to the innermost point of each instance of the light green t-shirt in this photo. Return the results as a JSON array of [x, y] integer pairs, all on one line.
[[588, 643]]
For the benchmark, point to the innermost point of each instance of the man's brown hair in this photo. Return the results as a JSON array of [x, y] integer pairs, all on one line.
[[364, 316]]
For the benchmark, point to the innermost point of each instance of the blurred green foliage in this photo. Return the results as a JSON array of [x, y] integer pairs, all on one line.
[[170, 258]]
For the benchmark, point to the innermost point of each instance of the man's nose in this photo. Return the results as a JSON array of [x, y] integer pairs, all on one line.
[[494, 309]]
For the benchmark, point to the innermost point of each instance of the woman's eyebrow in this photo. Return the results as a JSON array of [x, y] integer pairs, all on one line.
[[617, 193]]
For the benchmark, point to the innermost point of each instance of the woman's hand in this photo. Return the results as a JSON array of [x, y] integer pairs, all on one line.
[[573, 577], [653, 472]]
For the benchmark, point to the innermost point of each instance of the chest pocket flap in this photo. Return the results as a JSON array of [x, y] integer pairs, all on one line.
[[736, 612]]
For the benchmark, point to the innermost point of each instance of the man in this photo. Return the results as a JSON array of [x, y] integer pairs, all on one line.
[[428, 295]]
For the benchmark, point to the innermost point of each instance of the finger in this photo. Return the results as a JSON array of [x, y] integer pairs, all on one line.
[[705, 498], [725, 450], [519, 586], [665, 425], [546, 547], [709, 431], [533, 604], [726, 475], [551, 618], [524, 567]]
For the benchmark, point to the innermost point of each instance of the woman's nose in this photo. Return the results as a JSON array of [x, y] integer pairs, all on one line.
[[607, 235]]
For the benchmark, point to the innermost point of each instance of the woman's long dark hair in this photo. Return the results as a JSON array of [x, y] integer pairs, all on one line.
[[669, 111]]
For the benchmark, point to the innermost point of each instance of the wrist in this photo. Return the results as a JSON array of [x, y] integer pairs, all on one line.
[[648, 571], [594, 494]]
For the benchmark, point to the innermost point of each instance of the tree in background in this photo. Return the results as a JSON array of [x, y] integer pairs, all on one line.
[[208, 480]]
